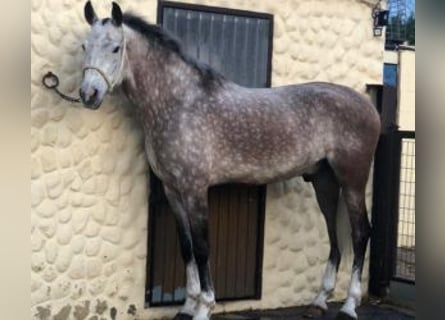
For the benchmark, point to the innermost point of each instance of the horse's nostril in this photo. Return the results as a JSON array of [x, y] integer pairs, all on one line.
[[88, 96]]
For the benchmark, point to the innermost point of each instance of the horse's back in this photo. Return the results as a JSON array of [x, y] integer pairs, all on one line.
[[316, 104], [286, 130], [328, 97]]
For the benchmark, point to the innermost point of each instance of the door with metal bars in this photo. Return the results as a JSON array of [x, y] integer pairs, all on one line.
[[392, 258], [239, 45]]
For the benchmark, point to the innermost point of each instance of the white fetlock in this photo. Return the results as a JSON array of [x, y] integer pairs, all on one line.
[[320, 301], [191, 304], [349, 307], [354, 296], [205, 309], [327, 287]]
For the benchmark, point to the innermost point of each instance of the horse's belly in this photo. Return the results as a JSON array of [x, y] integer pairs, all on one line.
[[252, 173]]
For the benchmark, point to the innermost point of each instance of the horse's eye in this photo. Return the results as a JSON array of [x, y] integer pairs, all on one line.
[[115, 50], [83, 47]]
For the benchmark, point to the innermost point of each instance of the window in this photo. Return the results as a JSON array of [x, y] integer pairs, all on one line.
[[401, 25], [390, 74], [239, 45]]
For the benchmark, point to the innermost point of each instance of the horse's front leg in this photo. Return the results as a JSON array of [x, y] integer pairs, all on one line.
[[197, 207], [193, 287]]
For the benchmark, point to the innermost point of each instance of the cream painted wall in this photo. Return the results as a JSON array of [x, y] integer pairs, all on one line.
[[88, 180], [406, 89]]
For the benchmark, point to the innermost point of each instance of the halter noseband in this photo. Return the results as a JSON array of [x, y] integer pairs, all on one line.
[[110, 84]]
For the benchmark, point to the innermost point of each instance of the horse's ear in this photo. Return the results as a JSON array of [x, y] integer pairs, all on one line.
[[116, 14], [90, 15]]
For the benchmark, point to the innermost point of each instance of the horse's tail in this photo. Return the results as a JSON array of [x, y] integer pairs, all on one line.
[[344, 233]]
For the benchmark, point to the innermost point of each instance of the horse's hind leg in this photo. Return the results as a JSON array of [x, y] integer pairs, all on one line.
[[361, 230], [193, 288], [327, 192], [353, 175]]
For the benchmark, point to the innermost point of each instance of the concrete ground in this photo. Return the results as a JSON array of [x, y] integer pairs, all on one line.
[[365, 312]]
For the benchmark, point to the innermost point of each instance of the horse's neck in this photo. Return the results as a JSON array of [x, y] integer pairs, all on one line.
[[156, 82]]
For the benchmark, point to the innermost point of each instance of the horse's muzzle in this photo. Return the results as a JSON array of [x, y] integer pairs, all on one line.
[[90, 98]]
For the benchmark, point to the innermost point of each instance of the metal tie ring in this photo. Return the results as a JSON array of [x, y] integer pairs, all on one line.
[[51, 81]]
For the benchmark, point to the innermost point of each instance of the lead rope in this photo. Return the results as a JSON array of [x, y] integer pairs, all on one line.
[[51, 81]]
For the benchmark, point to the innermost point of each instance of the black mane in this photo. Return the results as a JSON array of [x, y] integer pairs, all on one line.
[[158, 35]]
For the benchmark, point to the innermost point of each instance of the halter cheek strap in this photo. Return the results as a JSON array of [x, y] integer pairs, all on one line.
[[109, 83]]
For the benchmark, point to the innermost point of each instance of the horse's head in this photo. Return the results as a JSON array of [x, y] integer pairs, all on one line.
[[104, 56]]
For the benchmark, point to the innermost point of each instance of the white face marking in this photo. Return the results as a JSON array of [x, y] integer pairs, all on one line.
[[354, 296], [327, 286]]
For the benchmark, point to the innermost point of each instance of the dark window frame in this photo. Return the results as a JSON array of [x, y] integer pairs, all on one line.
[[228, 11], [161, 5]]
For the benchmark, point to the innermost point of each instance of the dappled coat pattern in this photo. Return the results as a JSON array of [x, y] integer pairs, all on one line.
[[202, 130]]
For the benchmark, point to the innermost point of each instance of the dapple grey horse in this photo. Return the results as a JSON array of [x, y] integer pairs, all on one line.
[[203, 130]]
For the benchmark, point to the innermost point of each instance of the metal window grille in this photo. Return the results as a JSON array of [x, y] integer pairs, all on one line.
[[401, 23], [236, 45], [406, 242]]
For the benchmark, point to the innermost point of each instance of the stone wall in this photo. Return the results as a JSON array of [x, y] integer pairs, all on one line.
[[88, 178]]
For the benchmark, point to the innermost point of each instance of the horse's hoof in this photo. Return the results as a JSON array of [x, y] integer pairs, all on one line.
[[344, 316], [182, 316], [313, 312]]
